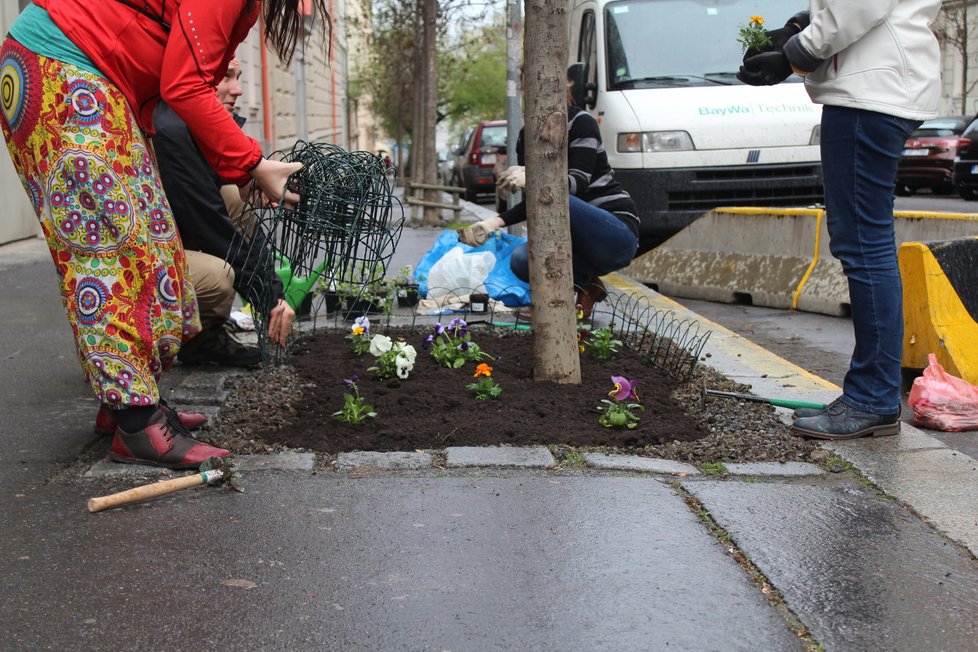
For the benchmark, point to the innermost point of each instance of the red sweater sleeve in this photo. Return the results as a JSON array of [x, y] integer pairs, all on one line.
[[201, 42]]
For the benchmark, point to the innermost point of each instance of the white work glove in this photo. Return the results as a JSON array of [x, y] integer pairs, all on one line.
[[475, 235], [513, 179]]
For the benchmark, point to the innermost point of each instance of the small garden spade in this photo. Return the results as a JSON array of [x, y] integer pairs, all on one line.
[[212, 470]]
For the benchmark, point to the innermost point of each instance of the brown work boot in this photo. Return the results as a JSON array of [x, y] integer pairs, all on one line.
[[593, 292], [163, 442], [215, 346]]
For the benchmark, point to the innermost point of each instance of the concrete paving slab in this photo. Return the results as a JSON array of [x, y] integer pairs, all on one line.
[[638, 463], [323, 562], [783, 469], [377, 460], [204, 379], [859, 571], [275, 462], [940, 484], [198, 396], [107, 469], [520, 456], [909, 439]]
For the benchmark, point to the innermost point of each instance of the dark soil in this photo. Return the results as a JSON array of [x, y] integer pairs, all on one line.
[[292, 406]]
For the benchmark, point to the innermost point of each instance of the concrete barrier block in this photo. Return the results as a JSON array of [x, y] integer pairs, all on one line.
[[940, 299], [735, 255], [825, 290]]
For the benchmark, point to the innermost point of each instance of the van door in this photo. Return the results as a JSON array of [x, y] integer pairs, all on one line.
[[587, 52]]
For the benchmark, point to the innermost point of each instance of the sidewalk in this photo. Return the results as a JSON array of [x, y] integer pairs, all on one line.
[[469, 556]]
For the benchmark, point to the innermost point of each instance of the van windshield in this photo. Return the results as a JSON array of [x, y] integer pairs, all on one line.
[[655, 43]]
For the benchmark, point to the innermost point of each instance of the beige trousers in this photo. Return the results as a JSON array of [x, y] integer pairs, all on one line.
[[214, 283]]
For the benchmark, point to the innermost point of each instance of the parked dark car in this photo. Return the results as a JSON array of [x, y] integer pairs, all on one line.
[[927, 160], [476, 155], [966, 166]]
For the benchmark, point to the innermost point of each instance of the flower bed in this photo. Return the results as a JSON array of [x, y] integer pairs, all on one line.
[[436, 407]]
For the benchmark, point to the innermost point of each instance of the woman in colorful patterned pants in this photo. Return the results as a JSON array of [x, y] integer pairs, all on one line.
[[78, 84]]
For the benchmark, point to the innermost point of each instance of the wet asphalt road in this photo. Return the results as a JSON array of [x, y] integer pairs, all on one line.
[[569, 560]]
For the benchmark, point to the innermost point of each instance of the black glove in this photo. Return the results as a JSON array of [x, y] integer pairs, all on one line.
[[765, 69], [778, 38]]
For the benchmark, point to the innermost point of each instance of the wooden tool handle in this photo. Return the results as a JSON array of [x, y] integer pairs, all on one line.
[[151, 490]]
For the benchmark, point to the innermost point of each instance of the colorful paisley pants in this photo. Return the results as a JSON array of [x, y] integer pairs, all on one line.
[[96, 190]]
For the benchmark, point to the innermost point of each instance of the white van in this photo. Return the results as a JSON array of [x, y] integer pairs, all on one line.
[[682, 133]]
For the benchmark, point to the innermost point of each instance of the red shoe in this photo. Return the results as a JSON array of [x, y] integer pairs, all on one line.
[[105, 420], [162, 443]]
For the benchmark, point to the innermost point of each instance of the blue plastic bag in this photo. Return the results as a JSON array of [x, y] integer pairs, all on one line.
[[501, 284]]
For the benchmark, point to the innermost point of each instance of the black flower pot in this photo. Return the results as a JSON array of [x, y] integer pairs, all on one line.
[[407, 295], [354, 307], [332, 301]]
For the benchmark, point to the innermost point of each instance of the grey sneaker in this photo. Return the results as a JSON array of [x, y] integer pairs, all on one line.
[[839, 421]]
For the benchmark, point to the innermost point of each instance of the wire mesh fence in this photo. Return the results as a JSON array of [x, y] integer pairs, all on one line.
[[343, 230], [664, 339]]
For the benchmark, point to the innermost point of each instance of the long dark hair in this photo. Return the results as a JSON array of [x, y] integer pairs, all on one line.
[[283, 24]]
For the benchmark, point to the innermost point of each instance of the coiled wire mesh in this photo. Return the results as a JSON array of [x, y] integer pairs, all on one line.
[[344, 229]]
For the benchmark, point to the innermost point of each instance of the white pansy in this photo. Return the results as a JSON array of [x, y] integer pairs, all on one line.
[[404, 366], [380, 344], [409, 352]]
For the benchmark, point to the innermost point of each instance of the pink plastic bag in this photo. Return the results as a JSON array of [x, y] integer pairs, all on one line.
[[941, 401]]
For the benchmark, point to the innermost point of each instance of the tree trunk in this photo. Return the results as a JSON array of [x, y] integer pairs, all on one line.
[[432, 216], [417, 98], [555, 352], [964, 59]]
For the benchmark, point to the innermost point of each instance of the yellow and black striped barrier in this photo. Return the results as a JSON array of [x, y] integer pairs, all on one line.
[[940, 305]]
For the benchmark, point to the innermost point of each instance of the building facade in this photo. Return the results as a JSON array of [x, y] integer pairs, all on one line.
[[305, 100]]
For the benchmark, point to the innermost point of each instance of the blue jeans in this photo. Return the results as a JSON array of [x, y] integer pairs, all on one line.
[[860, 153], [600, 244]]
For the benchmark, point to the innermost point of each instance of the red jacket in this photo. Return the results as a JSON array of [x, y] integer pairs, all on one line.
[[177, 50]]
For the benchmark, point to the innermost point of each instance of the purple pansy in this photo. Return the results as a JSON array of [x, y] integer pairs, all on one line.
[[624, 389]]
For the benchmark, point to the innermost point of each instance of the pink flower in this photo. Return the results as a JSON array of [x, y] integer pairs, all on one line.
[[624, 389]]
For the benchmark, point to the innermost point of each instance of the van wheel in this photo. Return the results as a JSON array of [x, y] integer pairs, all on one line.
[[903, 190], [967, 193], [470, 194]]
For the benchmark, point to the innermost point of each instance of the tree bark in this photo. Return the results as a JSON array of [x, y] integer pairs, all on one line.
[[417, 97], [431, 216], [556, 356]]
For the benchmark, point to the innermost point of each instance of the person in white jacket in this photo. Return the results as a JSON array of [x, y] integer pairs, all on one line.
[[875, 66]]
